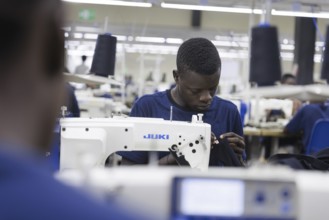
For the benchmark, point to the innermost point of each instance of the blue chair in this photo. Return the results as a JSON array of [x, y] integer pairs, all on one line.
[[319, 137]]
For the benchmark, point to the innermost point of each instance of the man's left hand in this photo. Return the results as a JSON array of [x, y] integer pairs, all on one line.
[[235, 141]]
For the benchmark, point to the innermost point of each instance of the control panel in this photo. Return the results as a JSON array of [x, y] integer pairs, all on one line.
[[217, 198]]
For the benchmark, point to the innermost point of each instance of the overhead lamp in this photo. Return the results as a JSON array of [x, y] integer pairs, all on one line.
[[300, 14], [223, 43], [174, 41], [90, 36], [151, 39], [211, 8], [78, 35], [287, 47], [120, 37], [244, 10], [112, 2], [319, 43]]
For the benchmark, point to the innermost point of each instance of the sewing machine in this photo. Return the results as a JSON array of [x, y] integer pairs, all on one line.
[[89, 141], [259, 108], [256, 193], [93, 106]]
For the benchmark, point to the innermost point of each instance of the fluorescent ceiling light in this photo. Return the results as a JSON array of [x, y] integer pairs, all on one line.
[[91, 36], [79, 53], [67, 29], [174, 40], [211, 8], [222, 43], [87, 29], [287, 55], [120, 37], [299, 14], [287, 47], [317, 58], [150, 39], [112, 2], [72, 43], [78, 35], [244, 10]]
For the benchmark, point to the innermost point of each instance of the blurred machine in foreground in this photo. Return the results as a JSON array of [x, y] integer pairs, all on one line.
[[89, 142], [258, 193]]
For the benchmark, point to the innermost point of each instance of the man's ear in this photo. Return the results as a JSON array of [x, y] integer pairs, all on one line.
[[175, 75]]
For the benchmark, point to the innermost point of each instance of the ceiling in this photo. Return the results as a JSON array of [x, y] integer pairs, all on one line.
[[295, 5], [227, 40]]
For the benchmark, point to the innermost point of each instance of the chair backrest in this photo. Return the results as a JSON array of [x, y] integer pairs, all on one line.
[[319, 137]]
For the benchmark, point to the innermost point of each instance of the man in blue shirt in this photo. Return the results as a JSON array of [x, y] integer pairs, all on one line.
[[197, 77], [32, 85], [305, 118]]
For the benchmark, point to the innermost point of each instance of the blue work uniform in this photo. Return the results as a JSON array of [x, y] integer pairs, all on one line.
[[222, 115], [305, 119], [28, 191]]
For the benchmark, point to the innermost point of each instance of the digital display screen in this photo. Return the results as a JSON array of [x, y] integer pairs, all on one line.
[[209, 197]]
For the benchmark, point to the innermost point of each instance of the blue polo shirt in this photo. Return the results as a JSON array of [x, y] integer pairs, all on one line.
[[222, 115], [305, 119], [28, 191]]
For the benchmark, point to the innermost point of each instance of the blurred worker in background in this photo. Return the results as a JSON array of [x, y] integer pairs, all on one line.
[[197, 77], [305, 119], [31, 91], [288, 79], [82, 68]]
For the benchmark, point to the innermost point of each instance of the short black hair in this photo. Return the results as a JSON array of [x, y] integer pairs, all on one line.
[[287, 76], [198, 55], [84, 58]]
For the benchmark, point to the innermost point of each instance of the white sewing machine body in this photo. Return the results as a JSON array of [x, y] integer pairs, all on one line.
[[97, 138]]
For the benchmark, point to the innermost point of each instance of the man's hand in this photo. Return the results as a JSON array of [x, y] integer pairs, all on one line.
[[235, 141], [213, 139]]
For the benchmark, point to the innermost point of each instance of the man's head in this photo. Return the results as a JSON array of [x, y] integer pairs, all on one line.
[[83, 58], [197, 75], [288, 79], [31, 65]]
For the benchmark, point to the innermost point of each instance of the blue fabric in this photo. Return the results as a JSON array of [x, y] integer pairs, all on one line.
[[305, 119], [30, 192], [223, 116]]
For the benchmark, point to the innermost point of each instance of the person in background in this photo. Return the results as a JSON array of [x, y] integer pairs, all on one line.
[[286, 144], [305, 118], [31, 91], [288, 79], [197, 77], [82, 68]]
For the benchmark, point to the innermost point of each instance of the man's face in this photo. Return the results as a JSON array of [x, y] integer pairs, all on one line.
[[290, 81], [196, 90]]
